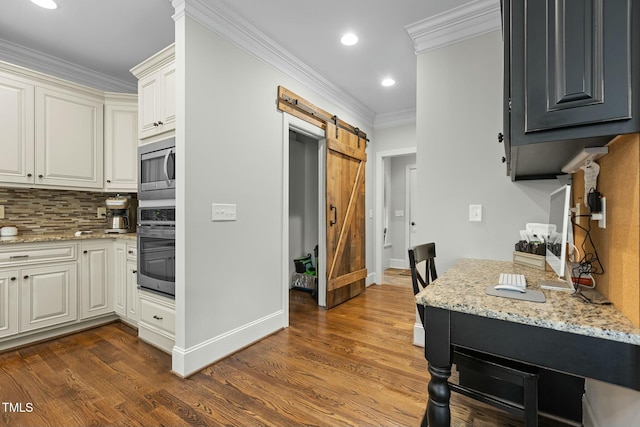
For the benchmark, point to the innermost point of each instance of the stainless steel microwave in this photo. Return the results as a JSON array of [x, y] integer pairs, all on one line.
[[157, 171]]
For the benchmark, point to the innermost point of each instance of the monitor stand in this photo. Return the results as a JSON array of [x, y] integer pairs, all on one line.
[[562, 284], [556, 285]]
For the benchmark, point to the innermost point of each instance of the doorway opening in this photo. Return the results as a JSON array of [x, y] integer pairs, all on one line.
[[304, 223], [395, 224], [303, 204]]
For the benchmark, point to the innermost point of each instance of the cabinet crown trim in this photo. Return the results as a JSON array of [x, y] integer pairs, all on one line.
[[455, 25], [154, 63]]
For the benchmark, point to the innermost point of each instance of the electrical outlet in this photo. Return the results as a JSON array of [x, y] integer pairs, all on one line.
[[475, 213], [102, 212], [223, 212], [1, 211]]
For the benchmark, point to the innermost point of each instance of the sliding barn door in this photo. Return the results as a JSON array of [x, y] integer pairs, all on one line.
[[346, 261]]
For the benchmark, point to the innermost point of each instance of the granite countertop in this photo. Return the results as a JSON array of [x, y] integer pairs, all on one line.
[[37, 238], [462, 289]]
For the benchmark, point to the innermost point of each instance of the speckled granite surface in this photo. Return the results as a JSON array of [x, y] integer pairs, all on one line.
[[462, 289], [35, 238]]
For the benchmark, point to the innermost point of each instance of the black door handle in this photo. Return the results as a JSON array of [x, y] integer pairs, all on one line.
[[335, 215], [413, 223]]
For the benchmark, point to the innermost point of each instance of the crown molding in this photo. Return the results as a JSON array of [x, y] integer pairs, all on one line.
[[47, 64], [227, 22], [469, 20], [398, 118]]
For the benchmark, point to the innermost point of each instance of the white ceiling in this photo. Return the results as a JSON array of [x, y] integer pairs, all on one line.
[[106, 38]]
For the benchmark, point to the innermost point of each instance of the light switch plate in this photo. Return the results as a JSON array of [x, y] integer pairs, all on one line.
[[223, 212], [399, 213], [475, 213], [101, 213]]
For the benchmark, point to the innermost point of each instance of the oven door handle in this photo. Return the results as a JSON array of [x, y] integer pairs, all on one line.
[[160, 232], [166, 165]]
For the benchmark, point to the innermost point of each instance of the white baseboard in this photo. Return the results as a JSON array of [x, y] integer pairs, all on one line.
[[188, 361], [371, 279], [418, 334], [398, 263]]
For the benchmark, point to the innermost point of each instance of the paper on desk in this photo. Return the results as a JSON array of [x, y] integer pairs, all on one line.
[[591, 170]]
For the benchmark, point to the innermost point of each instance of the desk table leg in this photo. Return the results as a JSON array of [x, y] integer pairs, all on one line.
[[438, 413], [438, 352]]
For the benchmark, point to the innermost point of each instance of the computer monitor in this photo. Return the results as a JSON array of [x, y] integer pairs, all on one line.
[[560, 234]]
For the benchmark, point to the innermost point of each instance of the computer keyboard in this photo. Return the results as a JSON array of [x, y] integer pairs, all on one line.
[[513, 280]]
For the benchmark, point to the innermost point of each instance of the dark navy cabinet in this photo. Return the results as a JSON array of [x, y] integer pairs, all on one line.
[[572, 79]]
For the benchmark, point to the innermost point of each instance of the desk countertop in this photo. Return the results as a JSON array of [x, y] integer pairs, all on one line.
[[462, 289], [58, 237]]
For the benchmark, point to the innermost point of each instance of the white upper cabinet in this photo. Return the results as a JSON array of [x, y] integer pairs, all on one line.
[[17, 130], [69, 139], [52, 131], [156, 94], [121, 143]]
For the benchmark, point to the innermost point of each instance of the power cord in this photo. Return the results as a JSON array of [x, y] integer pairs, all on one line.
[[588, 265]]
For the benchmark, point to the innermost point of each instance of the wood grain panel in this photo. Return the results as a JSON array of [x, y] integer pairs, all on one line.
[[618, 245]]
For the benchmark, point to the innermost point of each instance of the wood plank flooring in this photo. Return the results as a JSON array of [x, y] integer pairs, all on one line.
[[351, 366]]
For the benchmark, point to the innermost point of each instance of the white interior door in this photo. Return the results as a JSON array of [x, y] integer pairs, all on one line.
[[412, 192]]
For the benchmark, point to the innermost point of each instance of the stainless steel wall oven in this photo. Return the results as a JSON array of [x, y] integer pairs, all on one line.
[[157, 249]]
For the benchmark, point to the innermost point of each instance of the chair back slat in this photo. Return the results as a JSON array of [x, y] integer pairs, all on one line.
[[422, 253]]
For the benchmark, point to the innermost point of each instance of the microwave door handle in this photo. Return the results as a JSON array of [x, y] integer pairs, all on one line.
[[166, 165]]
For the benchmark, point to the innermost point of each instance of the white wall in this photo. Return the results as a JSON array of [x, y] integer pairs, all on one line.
[[385, 142], [230, 136], [459, 114], [607, 405]]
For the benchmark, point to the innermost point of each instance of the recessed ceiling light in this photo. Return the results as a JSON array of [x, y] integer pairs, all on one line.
[[388, 82], [47, 4], [349, 39]]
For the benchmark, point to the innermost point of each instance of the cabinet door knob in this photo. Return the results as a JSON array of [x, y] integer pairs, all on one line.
[[504, 159], [134, 271], [40, 176], [26, 277], [157, 317], [108, 181], [84, 252], [130, 252], [500, 137], [29, 175], [13, 279], [155, 124]]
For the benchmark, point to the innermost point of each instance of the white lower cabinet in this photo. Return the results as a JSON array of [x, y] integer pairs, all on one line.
[[126, 286], [8, 303], [132, 291], [156, 324], [96, 285], [48, 295]]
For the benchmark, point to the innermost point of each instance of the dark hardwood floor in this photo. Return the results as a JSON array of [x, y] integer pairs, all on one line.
[[351, 366]]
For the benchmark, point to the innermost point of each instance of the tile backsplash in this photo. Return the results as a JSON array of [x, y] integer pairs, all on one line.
[[40, 211]]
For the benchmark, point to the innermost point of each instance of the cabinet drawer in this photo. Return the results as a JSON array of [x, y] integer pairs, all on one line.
[[20, 255], [158, 315], [132, 251]]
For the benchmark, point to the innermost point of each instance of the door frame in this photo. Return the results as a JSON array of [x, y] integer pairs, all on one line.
[[290, 122], [378, 230], [407, 209]]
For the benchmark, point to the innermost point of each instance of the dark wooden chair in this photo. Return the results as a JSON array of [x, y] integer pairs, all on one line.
[[502, 383]]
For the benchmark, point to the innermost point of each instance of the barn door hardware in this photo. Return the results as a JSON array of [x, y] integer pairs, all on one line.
[[335, 215], [295, 105]]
